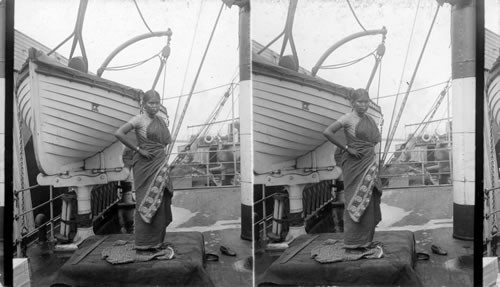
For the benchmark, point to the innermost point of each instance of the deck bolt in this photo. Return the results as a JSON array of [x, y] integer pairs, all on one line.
[[291, 177], [79, 179]]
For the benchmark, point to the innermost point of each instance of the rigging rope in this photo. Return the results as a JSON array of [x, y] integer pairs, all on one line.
[[355, 16], [177, 109], [19, 197], [178, 126], [393, 130], [434, 108], [165, 53], [132, 65], [211, 119], [493, 169], [142, 17], [415, 90], [379, 80], [228, 112], [164, 81], [428, 117], [403, 71], [199, 92], [349, 63]]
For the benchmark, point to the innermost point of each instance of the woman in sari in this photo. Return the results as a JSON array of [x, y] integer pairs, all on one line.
[[151, 180], [360, 169]]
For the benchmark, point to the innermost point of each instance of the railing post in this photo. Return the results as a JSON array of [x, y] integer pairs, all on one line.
[[423, 168], [17, 238], [51, 214], [264, 215], [207, 166]]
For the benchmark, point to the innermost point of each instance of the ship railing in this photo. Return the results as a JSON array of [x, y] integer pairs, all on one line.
[[104, 197], [316, 197], [263, 206], [418, 168], [203, 170], [21, 230]]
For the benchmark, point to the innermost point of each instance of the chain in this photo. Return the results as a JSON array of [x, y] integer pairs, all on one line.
[[492, 160], [21, 166]]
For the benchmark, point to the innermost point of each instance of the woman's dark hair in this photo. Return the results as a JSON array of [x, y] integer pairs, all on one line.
[[359, 94], [149, 95]]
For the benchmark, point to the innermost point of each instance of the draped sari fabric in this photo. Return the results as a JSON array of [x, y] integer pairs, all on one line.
[[361, 185], [153, 187]]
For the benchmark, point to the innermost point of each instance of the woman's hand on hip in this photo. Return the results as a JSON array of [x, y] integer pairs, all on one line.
[[354, 153], [145, 154]]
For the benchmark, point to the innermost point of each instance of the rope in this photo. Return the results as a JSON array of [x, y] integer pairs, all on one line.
[[142, 17], [164, 81], [21, 208], [177, 128], [379, 80], [211, 119], [132, 65], [164, 54], [393, 131], [227, 115], [428, 117], [177, 109], [199, 92], [403, 71], [355, 16], [346, 64], [415, 90], [493, 168], [442, 116]]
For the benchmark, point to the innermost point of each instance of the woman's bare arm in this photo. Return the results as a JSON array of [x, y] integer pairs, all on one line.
[[329, 133], [121, 135]]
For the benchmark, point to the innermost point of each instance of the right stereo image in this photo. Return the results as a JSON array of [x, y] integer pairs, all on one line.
[[364, 138]]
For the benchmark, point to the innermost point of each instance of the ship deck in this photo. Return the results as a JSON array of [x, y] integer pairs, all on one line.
[[219, 226], [420, 210]]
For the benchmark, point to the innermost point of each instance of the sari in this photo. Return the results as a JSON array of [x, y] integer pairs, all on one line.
[[361, 185], [153, 187]]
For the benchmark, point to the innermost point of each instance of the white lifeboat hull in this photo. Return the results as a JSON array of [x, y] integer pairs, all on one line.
[[73, 116]]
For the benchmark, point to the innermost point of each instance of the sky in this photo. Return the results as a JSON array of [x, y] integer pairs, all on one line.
[[319, 24], [492, 15], [109, 23]]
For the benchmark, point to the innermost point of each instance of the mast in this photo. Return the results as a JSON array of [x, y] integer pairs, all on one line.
[[246, 122], [463, 55]]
